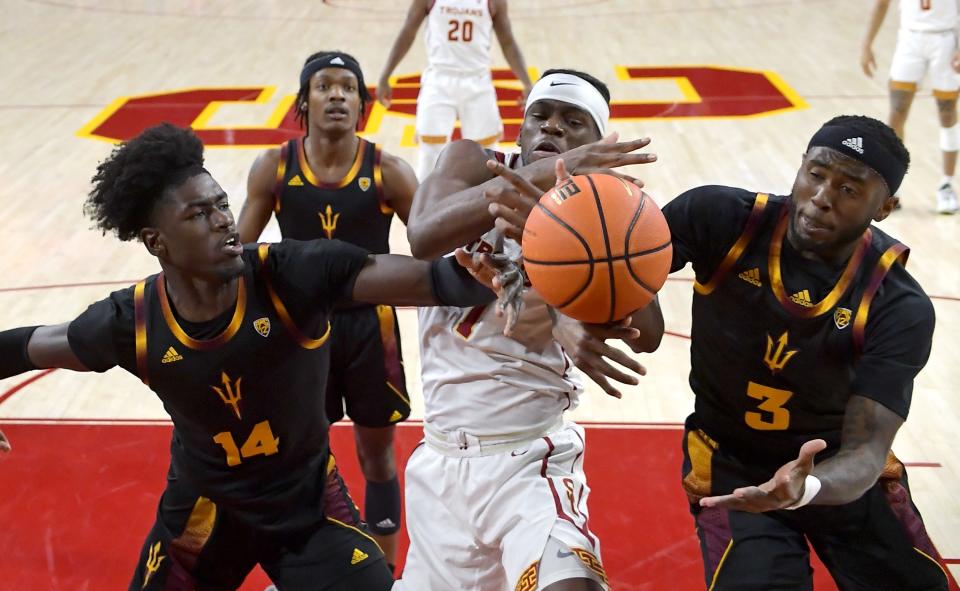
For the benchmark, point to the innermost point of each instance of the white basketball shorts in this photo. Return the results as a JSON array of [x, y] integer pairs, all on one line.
[[918, 52], [447, 96]]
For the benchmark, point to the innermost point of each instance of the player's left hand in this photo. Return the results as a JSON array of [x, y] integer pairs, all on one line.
[[502, 272], [4, 443], [510, 206], [586, 346], [781, 491]]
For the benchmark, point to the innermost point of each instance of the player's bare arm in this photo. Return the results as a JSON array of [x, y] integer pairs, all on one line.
[[398, 280], [26, 349], [399, 185], [449, 209], [868, 432], [405, 38], [509, 46], [867, 61], [258, 206]]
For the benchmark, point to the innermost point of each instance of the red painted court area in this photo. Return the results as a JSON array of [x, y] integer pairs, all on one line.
[[79, 498]]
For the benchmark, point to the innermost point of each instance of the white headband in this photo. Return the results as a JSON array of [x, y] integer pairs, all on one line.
[[574, 90]]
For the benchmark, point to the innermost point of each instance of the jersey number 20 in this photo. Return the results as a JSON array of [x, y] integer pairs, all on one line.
[[773, 417], [261, 442], [460, 31]]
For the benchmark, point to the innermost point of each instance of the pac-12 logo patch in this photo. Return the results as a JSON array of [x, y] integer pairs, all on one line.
[[841, 317], [364, 183], [263, 326]]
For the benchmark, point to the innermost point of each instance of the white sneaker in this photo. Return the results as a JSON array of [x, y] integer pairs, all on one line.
[[946, 200]]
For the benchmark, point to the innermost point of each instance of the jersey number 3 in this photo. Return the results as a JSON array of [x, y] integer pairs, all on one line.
[[773, 417], [261, 442]]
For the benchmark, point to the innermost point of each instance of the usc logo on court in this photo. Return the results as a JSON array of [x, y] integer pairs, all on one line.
[[695, 92]]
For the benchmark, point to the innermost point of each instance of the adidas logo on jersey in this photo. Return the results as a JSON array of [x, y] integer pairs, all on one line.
[[751, 276], [386, 523], [358, 556], [802, 298], [296, 181], [854, 143], [396, 416], [170, 356]]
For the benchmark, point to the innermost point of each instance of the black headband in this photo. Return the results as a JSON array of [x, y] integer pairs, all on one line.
[[855, 144], [333, 60]]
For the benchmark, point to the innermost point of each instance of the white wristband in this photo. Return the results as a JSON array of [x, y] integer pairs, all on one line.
[[811, 486]]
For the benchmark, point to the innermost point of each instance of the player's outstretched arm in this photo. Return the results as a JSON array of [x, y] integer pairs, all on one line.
[[448, 208], [404, 281], [868, 431], [258, 206], [509, 46], [415, 15]]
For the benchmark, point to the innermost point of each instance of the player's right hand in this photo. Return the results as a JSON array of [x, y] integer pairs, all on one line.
[[867, 61], [586, 346], [511, 205], [606, 154], [4, 443], [384, 92]]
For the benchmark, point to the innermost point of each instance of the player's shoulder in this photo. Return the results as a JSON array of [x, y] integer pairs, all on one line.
[[900, 289], [716, 204]]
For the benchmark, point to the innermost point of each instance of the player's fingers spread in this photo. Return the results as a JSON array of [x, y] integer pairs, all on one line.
[[635, 144], [624, 360], [615, 374], [510, 230], [605, 385], [610, 138], [811, 448], [561, 170]]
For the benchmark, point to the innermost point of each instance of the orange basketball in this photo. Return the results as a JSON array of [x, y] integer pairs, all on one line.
[[597, 248]]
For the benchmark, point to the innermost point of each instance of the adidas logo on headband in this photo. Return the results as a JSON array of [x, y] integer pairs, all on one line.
[[854, 143]]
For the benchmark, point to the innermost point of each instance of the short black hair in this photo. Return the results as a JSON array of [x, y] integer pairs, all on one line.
[[302, 116], [600, 86], [136, 175], [879, 132]]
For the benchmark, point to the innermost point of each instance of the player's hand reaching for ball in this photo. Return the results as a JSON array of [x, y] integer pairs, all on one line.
[[606, 154], [511, 205], [586, 346], [4, 443], [783, 490]]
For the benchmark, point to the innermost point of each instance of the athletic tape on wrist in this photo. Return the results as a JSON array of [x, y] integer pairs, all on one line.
[[811, 486]]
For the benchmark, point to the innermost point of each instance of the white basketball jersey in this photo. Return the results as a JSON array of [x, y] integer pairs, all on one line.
[[928, 15], [479, 381], [458, 35]]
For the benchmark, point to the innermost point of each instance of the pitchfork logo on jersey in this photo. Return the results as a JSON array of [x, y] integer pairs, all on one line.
[[230, 393], [841, 317], [777, 359], [328, 222]]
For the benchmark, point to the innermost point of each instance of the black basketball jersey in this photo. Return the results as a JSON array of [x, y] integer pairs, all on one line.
[[247, 401], [780, 342], [352, 210]]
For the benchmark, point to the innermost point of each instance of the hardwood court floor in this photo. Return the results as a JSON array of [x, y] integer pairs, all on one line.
[[730, 90]]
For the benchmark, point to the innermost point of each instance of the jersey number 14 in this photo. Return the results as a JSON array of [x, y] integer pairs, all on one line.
[[261, 442]]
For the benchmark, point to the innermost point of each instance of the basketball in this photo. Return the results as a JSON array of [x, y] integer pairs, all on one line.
[[597, 248]]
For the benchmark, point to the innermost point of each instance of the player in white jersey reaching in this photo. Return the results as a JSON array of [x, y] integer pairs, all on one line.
[[457, 82], [496, 497], [927, 41]]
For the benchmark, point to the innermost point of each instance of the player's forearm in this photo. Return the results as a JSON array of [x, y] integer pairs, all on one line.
[[868, 432], [514, 57], [404, 281], [36, 347], [399, 50], [649, 321], [446, 216], [877, 15]]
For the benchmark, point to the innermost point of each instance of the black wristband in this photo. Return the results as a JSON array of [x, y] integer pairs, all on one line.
[[14, 359], [452, 285]]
